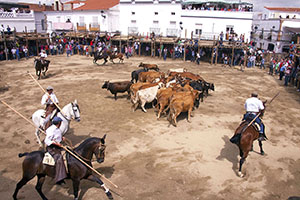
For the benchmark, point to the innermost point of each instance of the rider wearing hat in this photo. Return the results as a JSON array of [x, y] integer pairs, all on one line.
[[53, 139], [253, 107], [43, 56], [50, 107]]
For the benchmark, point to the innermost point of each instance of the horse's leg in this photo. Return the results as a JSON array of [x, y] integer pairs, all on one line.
[[116, 96], [38, 187], [95, 179], [242, 160], [76, 188], [261, 148], [20, 184]]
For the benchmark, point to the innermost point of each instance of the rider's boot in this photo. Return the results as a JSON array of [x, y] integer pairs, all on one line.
[[262, 137]]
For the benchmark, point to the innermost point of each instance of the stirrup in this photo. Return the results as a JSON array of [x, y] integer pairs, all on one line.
[[261, 137]]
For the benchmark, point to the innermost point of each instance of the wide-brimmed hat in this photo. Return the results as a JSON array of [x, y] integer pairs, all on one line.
[[49, 88]]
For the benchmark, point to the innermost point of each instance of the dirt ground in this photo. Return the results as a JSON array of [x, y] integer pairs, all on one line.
[[149, 158]]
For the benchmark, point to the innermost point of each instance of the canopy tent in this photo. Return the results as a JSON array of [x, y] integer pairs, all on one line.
[[185, 2]]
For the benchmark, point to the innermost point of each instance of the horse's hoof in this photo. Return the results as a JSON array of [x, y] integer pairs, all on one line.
[[241, 175], [262, 153]]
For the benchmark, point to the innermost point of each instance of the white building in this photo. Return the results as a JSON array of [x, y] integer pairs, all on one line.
[[275, 28], [23, 15], [89, 15]]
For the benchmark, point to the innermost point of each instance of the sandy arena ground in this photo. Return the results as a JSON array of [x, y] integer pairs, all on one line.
[[148, 158]]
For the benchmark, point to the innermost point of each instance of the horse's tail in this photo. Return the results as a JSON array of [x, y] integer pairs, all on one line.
[[23, 154]]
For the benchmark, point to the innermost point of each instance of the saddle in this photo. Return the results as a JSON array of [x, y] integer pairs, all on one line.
[[244, 124], [49, 160]]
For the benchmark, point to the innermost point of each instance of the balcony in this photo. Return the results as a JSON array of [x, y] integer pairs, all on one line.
[[81, 27], [16, 15], [133, 30], [155, 30], [63, 26], [94, 27], [172, 32]]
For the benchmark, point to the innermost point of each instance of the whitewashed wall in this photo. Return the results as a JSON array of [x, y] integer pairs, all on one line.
[[144, 16], [213, 22]]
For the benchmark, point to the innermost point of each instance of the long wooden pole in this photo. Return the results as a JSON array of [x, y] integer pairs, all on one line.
[[87, 165], [65, 148], [47, 94]]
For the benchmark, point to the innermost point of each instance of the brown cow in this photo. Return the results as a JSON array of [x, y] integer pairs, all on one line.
[[150, 76], [182, 102], [149, 66], [188, 75], [163, 97]]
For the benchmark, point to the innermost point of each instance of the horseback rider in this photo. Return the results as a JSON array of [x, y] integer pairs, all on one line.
[[50, 107], [43, 56], [253, 107], [53, 139]]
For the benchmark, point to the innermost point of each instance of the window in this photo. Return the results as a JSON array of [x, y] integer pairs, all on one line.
[[155, 13], [132, 13], [81, 20], [172, 13], [133, 21], [95, 21], [155, 22], [198, 31]]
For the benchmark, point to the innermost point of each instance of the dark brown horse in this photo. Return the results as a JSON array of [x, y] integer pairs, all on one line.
[[32, 166], [113, 56], [40, 67], [243, 138]]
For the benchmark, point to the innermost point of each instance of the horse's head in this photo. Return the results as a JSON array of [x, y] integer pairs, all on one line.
[[141, 65], [75, 111], [100, 150]]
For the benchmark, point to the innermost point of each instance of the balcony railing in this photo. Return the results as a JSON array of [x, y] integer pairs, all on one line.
[[172, 32], [81, 27], [155, 30], [15, 14], [94, 27], [133, 30]]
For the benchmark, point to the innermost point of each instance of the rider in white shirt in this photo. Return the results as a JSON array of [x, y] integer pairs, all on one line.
[[253, 107], [50, 107], [52, 140], [43, 56]]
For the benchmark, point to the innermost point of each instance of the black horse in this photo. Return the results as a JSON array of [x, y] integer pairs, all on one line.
[[32, 166], [41, 68], [100, 56]]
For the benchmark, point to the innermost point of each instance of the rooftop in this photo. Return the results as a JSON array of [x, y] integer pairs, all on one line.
[[94, 4], [283, 9]]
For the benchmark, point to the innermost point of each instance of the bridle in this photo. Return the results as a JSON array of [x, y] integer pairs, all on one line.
[[75, 117]]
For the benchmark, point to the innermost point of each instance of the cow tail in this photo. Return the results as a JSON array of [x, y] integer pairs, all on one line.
[[23, 154]]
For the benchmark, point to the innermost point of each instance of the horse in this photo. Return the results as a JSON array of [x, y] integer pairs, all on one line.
[[33, 166], [41, 68], [98, 56], [69, 111], [113, 56], [243, 137]]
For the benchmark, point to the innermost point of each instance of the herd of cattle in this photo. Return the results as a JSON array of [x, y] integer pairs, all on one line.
[[175, 91]]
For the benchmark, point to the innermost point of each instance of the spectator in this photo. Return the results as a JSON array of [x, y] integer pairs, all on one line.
[[165, 53], [25, 50], [13, 51], [287, 75], [198, 58]]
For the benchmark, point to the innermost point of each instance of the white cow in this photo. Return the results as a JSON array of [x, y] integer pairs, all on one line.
[[145, 96], [177, 70]]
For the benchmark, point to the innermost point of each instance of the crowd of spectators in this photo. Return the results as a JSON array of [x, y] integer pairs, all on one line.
[[218, 7]]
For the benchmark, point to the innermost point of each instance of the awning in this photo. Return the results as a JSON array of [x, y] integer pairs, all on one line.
[[293, 29], [12, 5]]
